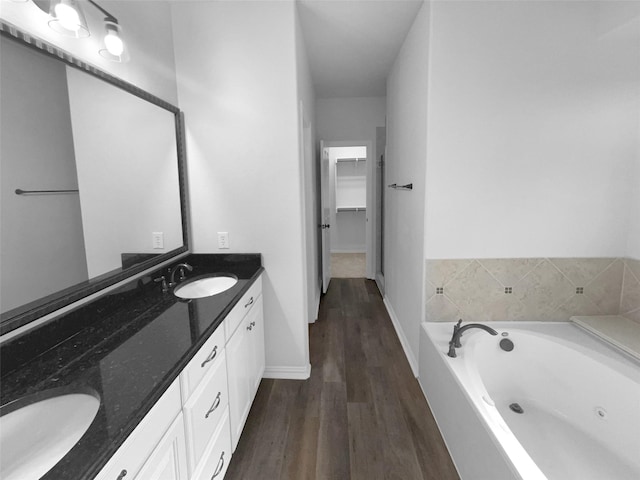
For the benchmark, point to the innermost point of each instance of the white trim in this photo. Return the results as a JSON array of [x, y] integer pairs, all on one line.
[[288, 373], [401, 336], [380, 283], [317, 304]]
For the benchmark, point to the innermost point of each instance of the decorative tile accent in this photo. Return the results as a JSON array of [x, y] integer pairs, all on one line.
[[441, 309], [532, 288], [606, 289], [576, 305], [633, 264], [441, 272], [630, 299], [473, 288], [543, 290], [581, 271], [509, 271]]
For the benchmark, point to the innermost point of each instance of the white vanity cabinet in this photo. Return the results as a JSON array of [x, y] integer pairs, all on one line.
[[245, 363], [205, 406], [156, 448], [169, 459], [191, 432]]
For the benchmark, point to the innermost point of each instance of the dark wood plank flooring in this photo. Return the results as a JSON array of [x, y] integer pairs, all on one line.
[[361, 415]]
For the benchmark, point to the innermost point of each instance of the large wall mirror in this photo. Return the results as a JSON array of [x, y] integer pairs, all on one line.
[[92, 171]]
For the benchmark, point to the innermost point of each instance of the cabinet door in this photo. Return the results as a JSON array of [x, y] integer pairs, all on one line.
[[133, 453], [238, 370], [169, 460], [255, 320]]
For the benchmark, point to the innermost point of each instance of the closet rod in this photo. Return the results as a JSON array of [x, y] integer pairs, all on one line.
[[19, 191]]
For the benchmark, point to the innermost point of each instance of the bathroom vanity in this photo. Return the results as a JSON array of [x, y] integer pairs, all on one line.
[[175, 377]]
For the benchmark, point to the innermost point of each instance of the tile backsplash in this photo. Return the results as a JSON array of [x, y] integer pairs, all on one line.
[[552, 289]]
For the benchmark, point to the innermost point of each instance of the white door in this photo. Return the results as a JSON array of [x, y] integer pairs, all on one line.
[[326, 217]]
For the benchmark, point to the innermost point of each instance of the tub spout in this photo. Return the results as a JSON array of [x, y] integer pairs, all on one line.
[[458, 331]]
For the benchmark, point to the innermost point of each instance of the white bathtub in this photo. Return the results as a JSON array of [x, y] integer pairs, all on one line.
[[580, 400]]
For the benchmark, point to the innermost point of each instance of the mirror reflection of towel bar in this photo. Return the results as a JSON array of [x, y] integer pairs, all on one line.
[[19, 191], [408, 186]]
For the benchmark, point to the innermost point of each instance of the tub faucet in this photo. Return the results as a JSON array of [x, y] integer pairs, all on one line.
[[459, 330], [172, 273]]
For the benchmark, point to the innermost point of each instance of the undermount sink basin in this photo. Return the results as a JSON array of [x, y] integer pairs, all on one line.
[[205, 286], [37, 431]]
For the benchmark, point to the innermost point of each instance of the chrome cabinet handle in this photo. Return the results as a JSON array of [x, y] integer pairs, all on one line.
[[250, 302], [253, 324], [211, 356], [123, 474], [219, 467], [215, 405], [249, 327]]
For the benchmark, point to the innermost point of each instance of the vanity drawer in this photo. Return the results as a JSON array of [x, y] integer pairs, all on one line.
[[247, 301], [204, 410], [217, 456], [135, 450], [202, 361]]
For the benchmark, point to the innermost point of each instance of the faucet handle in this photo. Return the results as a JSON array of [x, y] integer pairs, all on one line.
[[182, 274], [162, 280], [457, 327]]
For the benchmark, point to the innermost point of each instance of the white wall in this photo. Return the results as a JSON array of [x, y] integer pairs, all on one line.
[[406, 163], [237, 84], [532, 132], [307, 139], [349, 119]]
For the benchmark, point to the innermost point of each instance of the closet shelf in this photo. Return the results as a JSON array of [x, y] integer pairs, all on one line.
[[340, 160], [351, 209]]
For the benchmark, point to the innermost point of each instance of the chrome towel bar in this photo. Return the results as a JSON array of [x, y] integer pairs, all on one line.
[[19, 191], [408, 186]]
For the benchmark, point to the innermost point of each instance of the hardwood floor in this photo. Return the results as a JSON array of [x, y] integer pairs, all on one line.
[[361, 415]]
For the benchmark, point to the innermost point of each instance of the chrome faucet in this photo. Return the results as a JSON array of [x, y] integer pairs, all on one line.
[[172, 273], [458, 330]]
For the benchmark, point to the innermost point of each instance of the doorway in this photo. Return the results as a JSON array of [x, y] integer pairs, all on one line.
[[346, 203]]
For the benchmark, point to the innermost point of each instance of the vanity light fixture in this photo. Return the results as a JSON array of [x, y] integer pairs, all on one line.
[[113, 47], [67, 18]]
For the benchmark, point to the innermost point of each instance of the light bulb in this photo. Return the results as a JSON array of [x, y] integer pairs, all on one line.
[[113, 43], [68, 17]]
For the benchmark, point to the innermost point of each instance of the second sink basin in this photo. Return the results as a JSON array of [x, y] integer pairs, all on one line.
[[205, 286], [37, 431]]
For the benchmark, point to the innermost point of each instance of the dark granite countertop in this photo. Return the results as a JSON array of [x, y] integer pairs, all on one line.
[[128, 346]]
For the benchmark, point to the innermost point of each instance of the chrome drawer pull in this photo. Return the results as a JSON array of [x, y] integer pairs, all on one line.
[[250, 302], [216, 404], [123, 474], [210, 357], [219, 467]]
